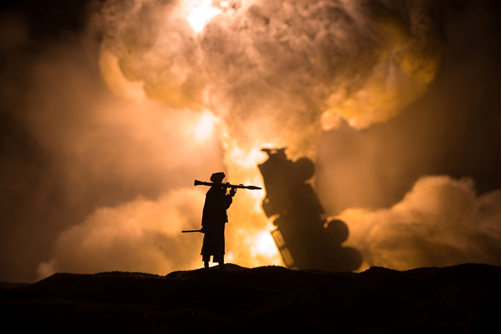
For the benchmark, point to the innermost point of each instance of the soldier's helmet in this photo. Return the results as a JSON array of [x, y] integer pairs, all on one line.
[[217, 176]]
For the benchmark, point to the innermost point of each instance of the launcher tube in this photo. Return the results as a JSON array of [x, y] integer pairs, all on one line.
[[225, 185]]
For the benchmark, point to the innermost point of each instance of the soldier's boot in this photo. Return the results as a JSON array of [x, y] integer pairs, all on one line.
[[206, 264], [222, 266]]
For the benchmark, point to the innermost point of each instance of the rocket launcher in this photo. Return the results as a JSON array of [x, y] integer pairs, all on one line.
[[225, 185]]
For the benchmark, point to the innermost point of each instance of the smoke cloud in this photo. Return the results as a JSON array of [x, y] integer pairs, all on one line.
[[440, 222], [280, 63], [141, 235]]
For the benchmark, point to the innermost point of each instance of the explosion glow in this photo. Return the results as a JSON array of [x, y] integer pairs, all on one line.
[[198, 13], [204, 127], [186, 88], [263, 245]]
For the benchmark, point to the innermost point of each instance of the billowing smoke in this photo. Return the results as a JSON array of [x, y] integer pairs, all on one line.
[[440, 222], [143, 235], [108, 177], [281, 64]]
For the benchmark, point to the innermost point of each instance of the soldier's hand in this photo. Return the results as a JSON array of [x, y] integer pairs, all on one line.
[[233, 191]]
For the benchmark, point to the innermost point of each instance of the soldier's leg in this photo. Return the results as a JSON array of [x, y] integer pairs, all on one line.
[[206, 258]]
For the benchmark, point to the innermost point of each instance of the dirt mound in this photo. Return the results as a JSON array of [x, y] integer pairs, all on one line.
[[462, 299]]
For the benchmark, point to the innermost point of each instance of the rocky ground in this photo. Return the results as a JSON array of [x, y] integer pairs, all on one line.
[[458, 299]]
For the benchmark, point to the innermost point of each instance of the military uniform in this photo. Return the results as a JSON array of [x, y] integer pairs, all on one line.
[[214, 218]]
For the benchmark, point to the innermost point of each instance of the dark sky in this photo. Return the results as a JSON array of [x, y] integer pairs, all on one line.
[[454, 129]]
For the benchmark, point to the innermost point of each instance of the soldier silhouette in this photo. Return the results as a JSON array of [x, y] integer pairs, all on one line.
[[214, 218]]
